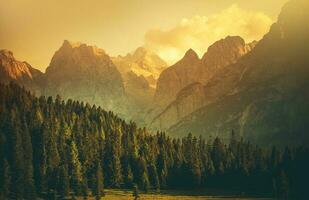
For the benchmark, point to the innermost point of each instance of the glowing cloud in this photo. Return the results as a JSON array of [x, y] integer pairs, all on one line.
[[201, 31]]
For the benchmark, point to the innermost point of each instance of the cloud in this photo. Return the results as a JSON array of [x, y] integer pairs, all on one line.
[[200, 32]]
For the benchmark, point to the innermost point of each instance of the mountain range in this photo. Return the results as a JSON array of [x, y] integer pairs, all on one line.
[[86, 73], [257, 89], [180, 87], [264, 95]]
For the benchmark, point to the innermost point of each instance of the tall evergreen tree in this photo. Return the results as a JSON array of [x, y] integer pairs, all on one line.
[[29, 192], [75, 169], [63, 186], [5, 181], [16, 155], [98, 186]]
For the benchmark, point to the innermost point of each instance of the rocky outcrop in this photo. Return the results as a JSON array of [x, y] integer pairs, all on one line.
[[188, 99], [223, 53], [143, 63], [19, 72], [176, 77], [85, 73], [178, 81], [264, 95]]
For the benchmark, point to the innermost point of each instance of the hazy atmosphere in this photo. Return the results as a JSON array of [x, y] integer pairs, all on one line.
[[34, 29], [156, 99]]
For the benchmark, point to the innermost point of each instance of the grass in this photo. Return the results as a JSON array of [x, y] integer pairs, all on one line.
[[113, 194]]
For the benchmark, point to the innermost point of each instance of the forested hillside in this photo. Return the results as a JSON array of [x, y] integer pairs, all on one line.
[[51, 146]]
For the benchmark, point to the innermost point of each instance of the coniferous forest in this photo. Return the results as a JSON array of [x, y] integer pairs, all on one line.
[[49, 147]]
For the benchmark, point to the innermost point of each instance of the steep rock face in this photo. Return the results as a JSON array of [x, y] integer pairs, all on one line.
[[176, 77], [266, 98], [223, 53], [85, 73], [141, 62], [140, 71], [219, 56], [139, 96], [191, 69], [138, 90], [20, 72], [188, 99]]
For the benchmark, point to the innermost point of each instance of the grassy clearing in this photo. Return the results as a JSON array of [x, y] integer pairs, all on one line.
[[166, 195]]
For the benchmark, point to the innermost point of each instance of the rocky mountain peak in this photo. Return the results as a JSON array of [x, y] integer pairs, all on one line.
[[191, 55], [140, 52], [177, 76], [17, 71], [293, 21], [72, 57], [68, 44], [225, 52], [81, 48], [294, 11], [83, 72], [13, 69], [226, 43], [4, 53], [142, 62]]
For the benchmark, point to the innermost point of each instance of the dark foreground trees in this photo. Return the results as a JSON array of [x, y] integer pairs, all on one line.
[[72, 147]]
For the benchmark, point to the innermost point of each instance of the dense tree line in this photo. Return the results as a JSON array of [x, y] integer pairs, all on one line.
[[51, 147]]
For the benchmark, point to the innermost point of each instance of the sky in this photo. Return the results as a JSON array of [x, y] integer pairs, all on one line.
[[34, 29]]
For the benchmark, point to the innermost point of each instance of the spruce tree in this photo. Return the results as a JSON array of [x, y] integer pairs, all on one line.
[[75, 169], [63, 186], [30, 192], [98, 189], [16, 155], [5, 180], [153, 177]]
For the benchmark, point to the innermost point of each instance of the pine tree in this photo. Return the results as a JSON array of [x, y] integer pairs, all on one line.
[[127, 172], [98, 189], [162, 168], [283, 186], [233, 142], [112, 159], [142, 174], [75, 168], [218, 156], [17, 160], [5, 180], [84, 188], [195, 164], [39, 157], [29, 192], [153, 176], [63, 186]]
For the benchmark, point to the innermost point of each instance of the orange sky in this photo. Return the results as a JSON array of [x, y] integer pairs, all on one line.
[[35, 29]]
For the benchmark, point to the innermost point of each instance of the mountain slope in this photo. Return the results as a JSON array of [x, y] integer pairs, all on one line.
[[176, 77], [19, 72], [85, 73], [192, 94], [140, 71], [266, 97]]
